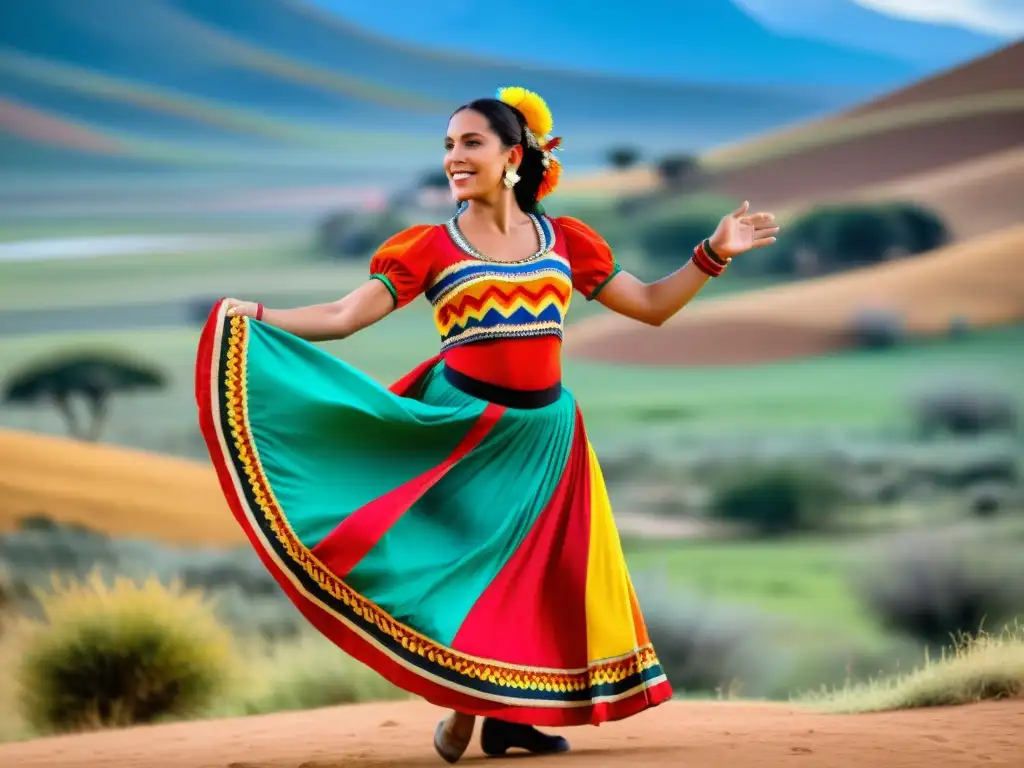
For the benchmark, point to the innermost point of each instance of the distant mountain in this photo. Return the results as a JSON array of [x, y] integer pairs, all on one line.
[[707, 41], [279, 83], [926, 45]]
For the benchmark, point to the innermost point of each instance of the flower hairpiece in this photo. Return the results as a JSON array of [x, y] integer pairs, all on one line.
[[539, 124]]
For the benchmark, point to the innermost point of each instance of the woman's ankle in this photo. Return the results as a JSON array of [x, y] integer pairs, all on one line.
[[461, 725]]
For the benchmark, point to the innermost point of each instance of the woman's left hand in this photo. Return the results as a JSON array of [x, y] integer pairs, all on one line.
[[740, 232]]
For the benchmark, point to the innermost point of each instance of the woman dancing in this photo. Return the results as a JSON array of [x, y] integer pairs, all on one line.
[[453, 532]]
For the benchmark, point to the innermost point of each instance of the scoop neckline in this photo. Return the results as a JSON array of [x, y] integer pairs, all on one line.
[[545, 236]]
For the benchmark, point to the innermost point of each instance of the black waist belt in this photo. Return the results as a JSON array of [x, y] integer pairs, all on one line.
[[510, 398]]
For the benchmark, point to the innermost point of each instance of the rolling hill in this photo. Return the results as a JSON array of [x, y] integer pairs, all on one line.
[[975, 196], [954, 117], [192, 83], [972, 115], [980, 280], [112, 490]]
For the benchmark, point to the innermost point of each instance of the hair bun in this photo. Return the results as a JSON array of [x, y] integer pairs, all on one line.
[[534, 109]]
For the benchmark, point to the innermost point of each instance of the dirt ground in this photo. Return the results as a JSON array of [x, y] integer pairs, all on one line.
[[696, 735]]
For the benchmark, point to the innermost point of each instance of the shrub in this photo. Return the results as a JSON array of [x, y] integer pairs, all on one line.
[[921, 229], [978, 668], [674, 239], [678, 170], [964, 410], [710, 648], [662, 225], [308, 672], [117, 655], [990, 499], [434, 179], [962, 465], [877, 329], [855, 235], [934, 588], [704, 647], [7, 600], [835, 237], [349, 236], [272, 617], [776, 498], [40, 548], [239, 568], [12, 727], [959, 327], [333, 227]]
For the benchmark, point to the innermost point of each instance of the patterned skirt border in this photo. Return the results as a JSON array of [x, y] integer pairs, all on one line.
[[608, 690]]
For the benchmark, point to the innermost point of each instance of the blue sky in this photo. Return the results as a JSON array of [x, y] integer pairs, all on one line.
[[1002, 17]]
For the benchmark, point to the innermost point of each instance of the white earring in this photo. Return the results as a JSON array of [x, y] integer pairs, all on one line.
[[511, 177]]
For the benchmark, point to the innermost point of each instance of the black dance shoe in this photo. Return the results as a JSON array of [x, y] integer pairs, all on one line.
[[499, 736]]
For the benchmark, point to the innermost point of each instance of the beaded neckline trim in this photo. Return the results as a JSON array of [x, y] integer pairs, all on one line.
[[545, 236]]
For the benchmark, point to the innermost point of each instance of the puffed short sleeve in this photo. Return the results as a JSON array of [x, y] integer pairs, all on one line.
[[590, 257], [403, 263]]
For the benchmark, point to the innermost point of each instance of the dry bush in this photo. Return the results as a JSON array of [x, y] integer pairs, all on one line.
[[117, 654], [978, 667]]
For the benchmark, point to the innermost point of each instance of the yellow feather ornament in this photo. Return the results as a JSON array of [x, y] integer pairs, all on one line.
[[534, 109], [540, 122]]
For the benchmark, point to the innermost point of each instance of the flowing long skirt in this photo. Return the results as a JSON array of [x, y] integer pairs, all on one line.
[[464, 550]]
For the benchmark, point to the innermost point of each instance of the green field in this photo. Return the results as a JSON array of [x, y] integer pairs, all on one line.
[[855, 391], [801, 578], [863, 392]]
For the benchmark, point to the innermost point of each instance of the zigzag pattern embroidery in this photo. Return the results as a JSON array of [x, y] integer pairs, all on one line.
[[460, 310]]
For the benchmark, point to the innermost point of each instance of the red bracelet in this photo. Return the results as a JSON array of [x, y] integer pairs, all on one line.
[[706, 242], [705, 263], [259, 311]]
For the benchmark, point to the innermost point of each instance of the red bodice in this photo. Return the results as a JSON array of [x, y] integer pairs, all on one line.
[[499, 322]]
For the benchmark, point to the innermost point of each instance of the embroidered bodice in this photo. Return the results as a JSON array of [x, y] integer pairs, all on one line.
[[498, 320], [477, 298]]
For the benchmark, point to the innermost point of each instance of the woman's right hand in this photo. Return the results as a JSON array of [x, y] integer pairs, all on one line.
[[237, 308]]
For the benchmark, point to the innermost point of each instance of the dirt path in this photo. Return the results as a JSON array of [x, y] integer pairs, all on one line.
[[695, 735]]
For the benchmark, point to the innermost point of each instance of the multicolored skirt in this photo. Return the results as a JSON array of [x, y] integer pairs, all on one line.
[[464, 550]]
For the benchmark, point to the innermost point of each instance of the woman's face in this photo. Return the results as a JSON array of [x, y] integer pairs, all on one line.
[[475, 160]]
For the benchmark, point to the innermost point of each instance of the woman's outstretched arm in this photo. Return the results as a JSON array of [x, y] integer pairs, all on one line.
[[654, 303], [366, 305]]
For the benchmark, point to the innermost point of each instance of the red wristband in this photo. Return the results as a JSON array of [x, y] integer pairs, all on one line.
[[705, 263], [259, 311]]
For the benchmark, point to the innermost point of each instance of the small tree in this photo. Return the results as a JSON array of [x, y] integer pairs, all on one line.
[[777, 498], [333, 228], [94, 377], [678, 170], [622, 158], [964, 409]]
